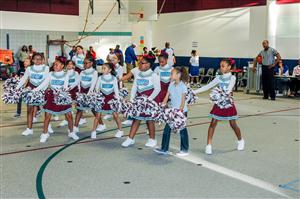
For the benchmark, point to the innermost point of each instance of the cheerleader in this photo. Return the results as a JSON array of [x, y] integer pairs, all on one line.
[[164, 72], [118, 69], [107, 84], [33, 76], [227, 82], [74, 81], [57, 79], [88, 80], [146, 83], [78, 59]]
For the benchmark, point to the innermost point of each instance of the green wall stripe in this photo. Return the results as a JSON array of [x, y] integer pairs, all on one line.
[[106, 33]]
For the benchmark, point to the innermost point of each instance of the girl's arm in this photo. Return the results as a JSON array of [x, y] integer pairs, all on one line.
[[156, 84], [127, 76], [98, 83], [24, 79], [211, 84], [116, 88], [94, 81], [231, 84], [183, 95], [166, 98], [133, 90], [66, 84], [44, 85]]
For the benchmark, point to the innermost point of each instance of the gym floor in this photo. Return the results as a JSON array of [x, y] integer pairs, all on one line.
[[101, 168]]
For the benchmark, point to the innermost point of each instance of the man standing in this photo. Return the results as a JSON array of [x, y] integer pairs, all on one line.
[[268, 55], [130, 57], [170, 51]]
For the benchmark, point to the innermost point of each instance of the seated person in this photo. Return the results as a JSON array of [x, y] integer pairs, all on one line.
[[295, 83], [281, 83]]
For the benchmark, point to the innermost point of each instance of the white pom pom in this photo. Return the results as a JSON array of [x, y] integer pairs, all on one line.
[[96, 100], [34, 98], [62, 97], [123, 92], [11, 95], [221, 98]]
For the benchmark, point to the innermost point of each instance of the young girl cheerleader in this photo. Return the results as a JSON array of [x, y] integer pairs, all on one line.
[[146, 83], [226, 81], [164, 72], [35, 75], [194, 68], [74, 81], [88, 80], [78, 59], [107, 84], [176, 93], [58, 79]]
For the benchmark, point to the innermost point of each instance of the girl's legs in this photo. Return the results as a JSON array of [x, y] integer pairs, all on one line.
[[236, 129], [95, 125], [211, 130], [151, 129], [77, 118], [118, 121], [46, 122], [29, 116], [69, 118], [134, 128]]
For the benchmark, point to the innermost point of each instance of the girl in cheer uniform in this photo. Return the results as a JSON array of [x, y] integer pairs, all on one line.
[[88, 80], [226, 81], [74, 81], [107, 84], [57, 79], [78, 59], [146, 83], [33, 76]]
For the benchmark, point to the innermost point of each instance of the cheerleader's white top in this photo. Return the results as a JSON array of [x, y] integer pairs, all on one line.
[[55, 80], [120, 71], [225, 81], [36, 75], [88, 78], [78, 60], [107, 84], [194, 60], [144, 81], [164, 73], [74, 79]]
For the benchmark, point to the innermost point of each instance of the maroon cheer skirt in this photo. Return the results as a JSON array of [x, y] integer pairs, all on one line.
[[106, 107], [224, 114], [163, 92], [73, 92], [52, 108]]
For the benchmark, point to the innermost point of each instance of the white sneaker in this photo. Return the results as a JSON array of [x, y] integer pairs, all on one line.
[[127, 122], [34, 120], [82, 121], [151, 143], [50, 130], [241, 145], [101, 127], [75, 129], [128, 142], [119, 134], [208, 149], [44, 137], [56, 118], [73, 136], [27, 132], [107, 117], [182, 153], [63, 123], [94, 135]]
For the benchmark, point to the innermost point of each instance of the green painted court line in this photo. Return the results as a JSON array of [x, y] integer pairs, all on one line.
[[105, 33]]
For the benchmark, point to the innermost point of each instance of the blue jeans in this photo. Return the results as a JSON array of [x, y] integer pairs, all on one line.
[[184, 139]]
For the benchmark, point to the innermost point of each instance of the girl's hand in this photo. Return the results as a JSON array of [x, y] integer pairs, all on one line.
[[181, 109]]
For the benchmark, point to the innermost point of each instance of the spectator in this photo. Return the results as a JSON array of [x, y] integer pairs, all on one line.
[[31, 51], [281, 83], [170, 52], [295, 82], [92, 52], [119, 54], [22, 55], [110, 55], [145, 51], [268, 55], [130, 57], [194, 68], [72, 52]]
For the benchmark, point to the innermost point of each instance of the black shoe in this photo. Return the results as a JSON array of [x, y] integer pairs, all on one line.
[[273, 99]]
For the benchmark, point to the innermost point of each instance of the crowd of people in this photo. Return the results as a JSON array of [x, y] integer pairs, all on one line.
[[154, 74]]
